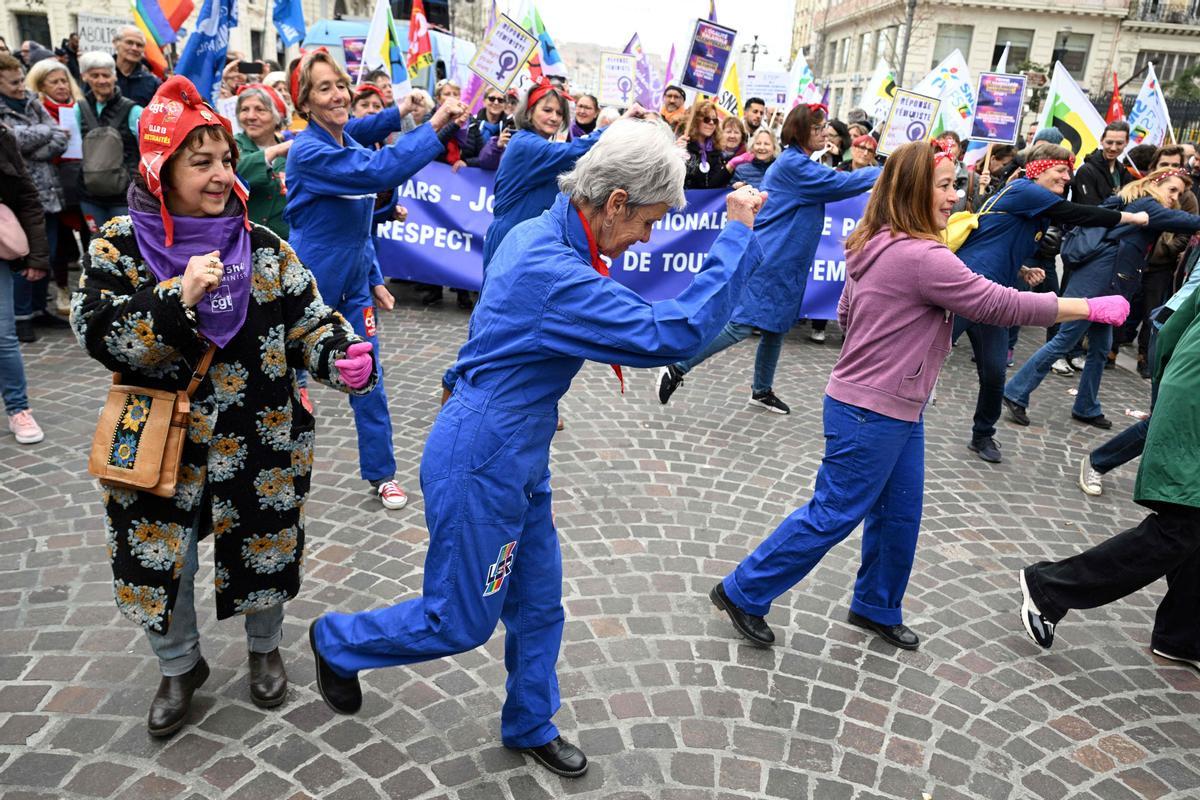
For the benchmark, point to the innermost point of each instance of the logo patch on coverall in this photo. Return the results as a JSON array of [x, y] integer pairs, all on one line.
[[369, 321], [500, 570]]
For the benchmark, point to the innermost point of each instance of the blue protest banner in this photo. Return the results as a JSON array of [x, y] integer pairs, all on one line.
[[441, 242]]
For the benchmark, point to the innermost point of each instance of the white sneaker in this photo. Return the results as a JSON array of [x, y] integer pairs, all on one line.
[[1061, 367], [1193, 662], [392, 496], [1078, 362], [62, 301], [817, 336], [25, 427], [1089, 479]]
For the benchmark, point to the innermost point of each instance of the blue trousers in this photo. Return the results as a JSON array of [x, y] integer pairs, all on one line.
[[765, 360], [873, 470], [372, 421], [29, 297], [493, 556], [12, 368], [1129, 443], [1031, 373], [990, 346]]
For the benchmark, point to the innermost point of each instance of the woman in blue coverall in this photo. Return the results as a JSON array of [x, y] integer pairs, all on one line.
[[789, 232], [549, 306], [332, 178]]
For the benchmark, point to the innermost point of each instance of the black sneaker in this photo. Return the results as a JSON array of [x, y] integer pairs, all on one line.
[[25, 331], [987, 449], [770, 402], [669, 380], [1099, 421], [1040, 629], [47, 320], [1016, 412]]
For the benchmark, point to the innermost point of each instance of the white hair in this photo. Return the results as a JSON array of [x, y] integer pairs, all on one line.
[[607, 116], [638, 156], [96, 60]]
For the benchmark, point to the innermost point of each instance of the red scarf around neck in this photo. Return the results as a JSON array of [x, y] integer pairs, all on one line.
[[599, 265]]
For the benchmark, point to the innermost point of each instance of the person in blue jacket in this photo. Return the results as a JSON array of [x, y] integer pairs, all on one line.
[[789, 232], [1010, 224], [548, 307], [332, 178], [1115, 266], [532, 162]]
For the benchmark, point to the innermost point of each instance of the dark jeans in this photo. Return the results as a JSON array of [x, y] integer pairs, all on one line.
[[29, 297], [1155, 290], [1129, 443], [1165, 543], [990, 345]]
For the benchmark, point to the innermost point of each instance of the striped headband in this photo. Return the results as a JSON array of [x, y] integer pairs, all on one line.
[[1171, 173]]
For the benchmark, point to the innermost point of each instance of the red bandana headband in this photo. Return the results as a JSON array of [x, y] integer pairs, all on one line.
[[815, 107], [1171, 173], [1035, 168], [943, 150], [541, 89], [367, 88]]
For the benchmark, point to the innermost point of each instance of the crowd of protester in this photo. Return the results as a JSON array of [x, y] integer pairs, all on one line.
[[320, 158]]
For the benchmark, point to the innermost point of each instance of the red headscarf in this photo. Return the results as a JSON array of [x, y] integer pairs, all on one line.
[[175, 110], [541, 89], [1035, 168], [270, 92]]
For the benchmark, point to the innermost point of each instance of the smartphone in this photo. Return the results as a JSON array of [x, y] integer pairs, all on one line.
[[250, 68]]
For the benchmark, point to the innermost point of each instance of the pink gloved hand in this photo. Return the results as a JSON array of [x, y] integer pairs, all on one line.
[[737, 161], [357, 366], [1110, 310]]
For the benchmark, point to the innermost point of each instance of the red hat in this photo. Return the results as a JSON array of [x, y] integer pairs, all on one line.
[[276, 100], [367, 88], [175, 110]]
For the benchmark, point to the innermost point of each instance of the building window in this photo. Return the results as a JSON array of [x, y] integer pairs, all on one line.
[[844, 62], [885, 45], [256, 45], [1072, 50], [33, 28], [1168, 66], [949, 39], [864, 53], [1019, 41], [831, 60]]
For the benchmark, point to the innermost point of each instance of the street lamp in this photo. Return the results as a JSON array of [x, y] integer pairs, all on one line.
[[754, 49]]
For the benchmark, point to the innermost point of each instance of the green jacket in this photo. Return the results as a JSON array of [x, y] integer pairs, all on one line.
[[1170, 468], [268, 194]]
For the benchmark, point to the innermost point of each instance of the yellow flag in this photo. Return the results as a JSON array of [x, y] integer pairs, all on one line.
[[730, 99]]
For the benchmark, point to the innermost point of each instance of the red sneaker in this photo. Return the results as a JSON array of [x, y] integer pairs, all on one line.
[[392, 496]]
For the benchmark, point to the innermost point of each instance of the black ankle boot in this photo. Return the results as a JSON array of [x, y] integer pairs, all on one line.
[[169, 709], [560, 757], [268, 679]]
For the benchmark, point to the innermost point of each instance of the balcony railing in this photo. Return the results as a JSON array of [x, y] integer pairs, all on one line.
[[1171, 12]]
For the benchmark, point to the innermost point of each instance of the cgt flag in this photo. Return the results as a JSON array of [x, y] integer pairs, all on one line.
[[420, 48], [288, 17], [1068, 109], [1116, 108], [203, 56]]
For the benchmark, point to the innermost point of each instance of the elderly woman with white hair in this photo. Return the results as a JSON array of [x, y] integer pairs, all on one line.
[[102, 195], [262, 154], [549, 307]]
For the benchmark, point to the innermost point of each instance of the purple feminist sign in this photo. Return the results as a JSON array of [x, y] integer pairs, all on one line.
[[648, 89]]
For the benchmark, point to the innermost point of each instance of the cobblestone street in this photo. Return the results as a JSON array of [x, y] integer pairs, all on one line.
[[653, 506]]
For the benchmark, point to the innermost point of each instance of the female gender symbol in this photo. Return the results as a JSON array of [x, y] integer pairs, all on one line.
[[506, 61]]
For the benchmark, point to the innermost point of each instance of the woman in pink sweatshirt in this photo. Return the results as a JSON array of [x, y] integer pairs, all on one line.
[[902, 291]]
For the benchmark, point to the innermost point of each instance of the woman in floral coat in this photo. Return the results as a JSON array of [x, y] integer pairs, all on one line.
[[186, 269]]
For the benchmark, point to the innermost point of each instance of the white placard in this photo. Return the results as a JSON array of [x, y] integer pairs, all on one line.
[[770, 86], [502, 54], [227, 108], [96, 31], [70, 123], [618, 79], [910, 120]]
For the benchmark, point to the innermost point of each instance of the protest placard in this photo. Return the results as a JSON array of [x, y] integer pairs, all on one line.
[[770, 86], [910, 119], [502, 53], [998, 108], [352, 47], [618, 79], [96, 31], [707, 57]]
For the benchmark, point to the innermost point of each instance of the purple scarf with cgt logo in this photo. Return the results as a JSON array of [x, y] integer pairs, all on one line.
[[222, 311]]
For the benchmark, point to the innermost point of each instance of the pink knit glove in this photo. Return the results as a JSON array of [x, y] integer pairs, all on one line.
[[356, 367], [1110, 310], [737, 161]]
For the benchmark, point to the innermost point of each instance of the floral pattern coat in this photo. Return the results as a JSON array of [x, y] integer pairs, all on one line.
[[249, 449]]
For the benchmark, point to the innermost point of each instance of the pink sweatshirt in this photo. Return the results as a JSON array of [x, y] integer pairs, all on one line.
[[898, 308]]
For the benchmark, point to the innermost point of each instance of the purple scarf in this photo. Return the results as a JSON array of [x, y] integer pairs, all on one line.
[[578, 131], [222, 311]]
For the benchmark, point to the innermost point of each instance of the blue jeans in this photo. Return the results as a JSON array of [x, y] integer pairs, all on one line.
[[990, 346], [765, 361], [178, 649], [12, 368], [1129, 443], [101, 214], [873, 470], [1031, 373], [29, 297]]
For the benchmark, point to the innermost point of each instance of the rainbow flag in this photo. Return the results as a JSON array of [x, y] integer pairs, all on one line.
[[159, 22]]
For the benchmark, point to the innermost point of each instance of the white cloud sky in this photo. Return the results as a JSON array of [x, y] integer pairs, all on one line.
[[662, 23]]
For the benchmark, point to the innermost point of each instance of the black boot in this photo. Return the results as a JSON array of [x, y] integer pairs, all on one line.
[[169, 709], [560, 757], [343, 695], [268, 679], [25, 331]]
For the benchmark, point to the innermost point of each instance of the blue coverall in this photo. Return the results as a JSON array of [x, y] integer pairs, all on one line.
[[527, 181], [331, 194], [493, 550]]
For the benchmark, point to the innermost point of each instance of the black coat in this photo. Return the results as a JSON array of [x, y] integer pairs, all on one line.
[[18, 193], [717, 175], [1093, 182]]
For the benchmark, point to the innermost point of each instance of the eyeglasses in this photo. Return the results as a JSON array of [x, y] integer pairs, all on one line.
[[709, 120], [870, 150]]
